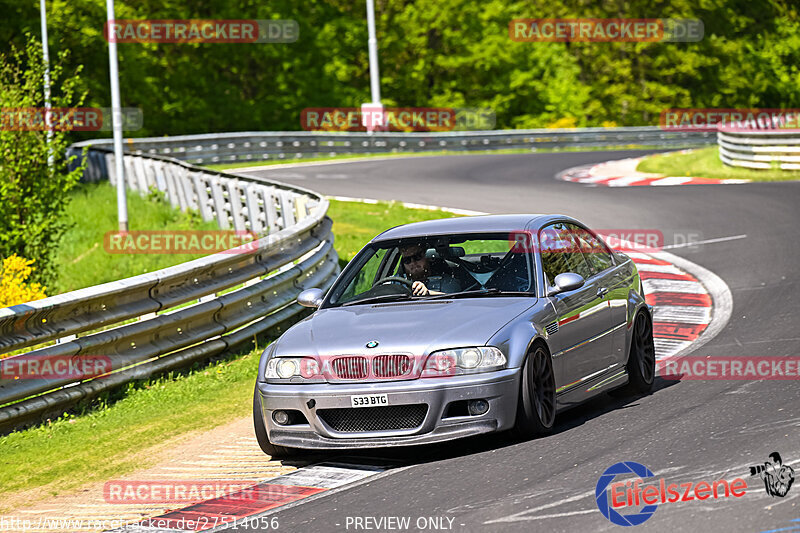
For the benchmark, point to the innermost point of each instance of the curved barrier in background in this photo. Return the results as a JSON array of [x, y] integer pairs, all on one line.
[[760, 148], [258, 146], [167, 319]]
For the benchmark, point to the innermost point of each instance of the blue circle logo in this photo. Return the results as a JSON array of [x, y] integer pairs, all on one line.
[[372, 344], [601, 494]]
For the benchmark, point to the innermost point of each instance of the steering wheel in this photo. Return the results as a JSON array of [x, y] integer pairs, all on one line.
[[395, 279]]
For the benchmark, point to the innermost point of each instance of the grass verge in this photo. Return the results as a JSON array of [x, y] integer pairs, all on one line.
[[705, 163], [92, 211], [119, 434]]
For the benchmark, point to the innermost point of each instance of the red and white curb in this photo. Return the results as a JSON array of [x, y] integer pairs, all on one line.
[[248, 508], [623, 173], [682, 305]]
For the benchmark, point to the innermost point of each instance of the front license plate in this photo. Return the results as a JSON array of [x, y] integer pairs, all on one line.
[[369, 400]]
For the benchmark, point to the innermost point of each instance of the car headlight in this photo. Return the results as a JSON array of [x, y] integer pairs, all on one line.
[[292, 367], [464, 361]]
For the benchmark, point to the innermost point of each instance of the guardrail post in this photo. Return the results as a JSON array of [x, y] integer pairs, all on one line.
[[235, 198], [172, 190], [219, 203], [185, 184], [203, 198], [287, 208], [255, 214], [271, 218]]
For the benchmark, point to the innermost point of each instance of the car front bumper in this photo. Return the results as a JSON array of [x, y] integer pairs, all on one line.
[[500, 389]]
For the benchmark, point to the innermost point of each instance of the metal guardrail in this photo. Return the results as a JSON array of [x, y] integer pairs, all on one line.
[[167, 319], [760, 148], [260, 146]]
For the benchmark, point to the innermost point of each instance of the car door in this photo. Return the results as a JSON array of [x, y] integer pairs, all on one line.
[[612, 280], [582, 342]]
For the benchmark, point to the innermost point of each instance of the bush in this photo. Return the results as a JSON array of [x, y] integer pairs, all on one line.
[[14, 289], [33, 192]]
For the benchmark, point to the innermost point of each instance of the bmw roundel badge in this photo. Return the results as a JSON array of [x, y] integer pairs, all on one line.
[[372, 344]]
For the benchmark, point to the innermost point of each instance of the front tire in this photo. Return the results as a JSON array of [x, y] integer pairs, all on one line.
[[536, 409], [642, 358], [273, 450]]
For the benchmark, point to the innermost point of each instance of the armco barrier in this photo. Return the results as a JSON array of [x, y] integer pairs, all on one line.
[[760, 148], [134, 322], [259, 146]]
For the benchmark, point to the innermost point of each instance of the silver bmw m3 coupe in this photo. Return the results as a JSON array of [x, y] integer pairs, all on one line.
[[449, 328]]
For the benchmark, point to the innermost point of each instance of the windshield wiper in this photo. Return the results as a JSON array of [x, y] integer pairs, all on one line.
[[381, 298], [478, 292]]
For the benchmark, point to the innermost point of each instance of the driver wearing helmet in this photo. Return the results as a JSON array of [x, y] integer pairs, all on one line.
[[428, 276]]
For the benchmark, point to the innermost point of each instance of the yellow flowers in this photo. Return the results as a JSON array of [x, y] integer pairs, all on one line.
[[563, 122], [13, 288]]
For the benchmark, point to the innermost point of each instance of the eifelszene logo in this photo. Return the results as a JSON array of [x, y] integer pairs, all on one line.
[[612, 496], [606, 507], [778, 477]]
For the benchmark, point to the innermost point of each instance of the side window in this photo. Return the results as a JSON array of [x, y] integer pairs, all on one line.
[[560, 253], [366, 277], [595, 252]]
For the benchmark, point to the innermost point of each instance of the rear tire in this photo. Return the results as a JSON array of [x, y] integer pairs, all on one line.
[[536, 408], [273, 450], [642, 358]]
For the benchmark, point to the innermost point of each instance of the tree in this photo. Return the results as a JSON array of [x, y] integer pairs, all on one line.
[[33, 192]]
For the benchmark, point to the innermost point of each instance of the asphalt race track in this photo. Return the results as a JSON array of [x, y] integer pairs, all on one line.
[[684, 431]]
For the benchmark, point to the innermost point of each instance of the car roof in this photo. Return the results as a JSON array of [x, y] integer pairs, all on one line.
[[470, 224]]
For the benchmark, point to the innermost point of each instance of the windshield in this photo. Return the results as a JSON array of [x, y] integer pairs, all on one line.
[[427, 267]]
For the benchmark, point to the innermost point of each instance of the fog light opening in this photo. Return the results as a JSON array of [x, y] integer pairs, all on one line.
[[280, 417], [478, 407]]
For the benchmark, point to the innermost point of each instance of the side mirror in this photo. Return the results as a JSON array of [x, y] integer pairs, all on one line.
[[568, 281], [310, 298]]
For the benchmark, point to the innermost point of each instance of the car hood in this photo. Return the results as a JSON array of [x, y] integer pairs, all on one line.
[[407, 327]]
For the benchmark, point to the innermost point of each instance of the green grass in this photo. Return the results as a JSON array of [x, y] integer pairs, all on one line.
[[351, 157], [705, 163], [113, 438], [92, 211]]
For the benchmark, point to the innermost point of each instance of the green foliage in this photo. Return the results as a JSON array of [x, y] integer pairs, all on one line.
[[432, 53], [34, 194]]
